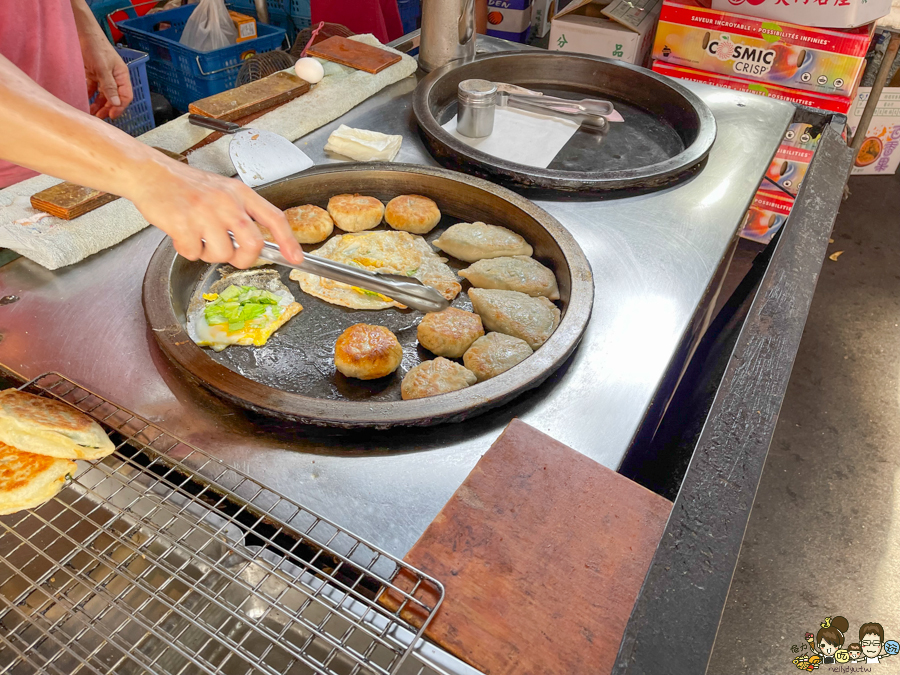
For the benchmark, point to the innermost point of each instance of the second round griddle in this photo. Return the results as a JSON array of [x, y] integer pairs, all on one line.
[[293, 375], [667, 133]]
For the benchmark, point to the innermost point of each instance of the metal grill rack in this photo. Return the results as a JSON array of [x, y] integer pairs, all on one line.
[[142, 565]]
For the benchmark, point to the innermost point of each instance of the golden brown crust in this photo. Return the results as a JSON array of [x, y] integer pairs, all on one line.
[[355, 213], [450, 332], [309, 224], [367, 352], [48, 427], [412, 213], [28, 480], [44, 411]]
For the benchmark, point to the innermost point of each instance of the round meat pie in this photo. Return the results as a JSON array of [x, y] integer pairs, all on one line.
[[355, 213], [412, 213], [309, 224], [367, 352]]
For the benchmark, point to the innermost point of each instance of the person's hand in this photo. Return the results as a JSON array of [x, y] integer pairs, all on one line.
[[105, 71], [197, 209], [107, 76]]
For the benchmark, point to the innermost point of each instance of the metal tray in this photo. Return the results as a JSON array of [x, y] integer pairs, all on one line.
[[293, 376], [667, 133], [142, 565]]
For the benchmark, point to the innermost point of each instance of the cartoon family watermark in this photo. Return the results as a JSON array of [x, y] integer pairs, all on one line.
[[827, 647]]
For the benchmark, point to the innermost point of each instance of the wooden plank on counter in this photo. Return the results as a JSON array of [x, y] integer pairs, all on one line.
[[354, 54], [261, 95], [69, 200], [542, 552]]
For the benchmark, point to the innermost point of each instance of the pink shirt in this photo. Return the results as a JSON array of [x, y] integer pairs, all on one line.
[[39, 37]]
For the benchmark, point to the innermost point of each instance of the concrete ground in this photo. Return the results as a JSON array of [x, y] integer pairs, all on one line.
[[824, 534]]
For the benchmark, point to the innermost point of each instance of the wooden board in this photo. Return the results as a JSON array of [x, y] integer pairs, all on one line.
[[354, 54], [542, 552], [68, 200], [264, 94]]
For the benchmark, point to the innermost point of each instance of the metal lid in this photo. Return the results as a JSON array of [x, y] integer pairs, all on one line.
[[477, 92]]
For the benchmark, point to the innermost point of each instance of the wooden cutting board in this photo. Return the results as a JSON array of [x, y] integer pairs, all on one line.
[[68, 200], [542, 552], [253, 97], [354, 54]]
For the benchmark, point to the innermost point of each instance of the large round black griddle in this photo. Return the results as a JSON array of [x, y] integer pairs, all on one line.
[[293, 375], [667, 133]]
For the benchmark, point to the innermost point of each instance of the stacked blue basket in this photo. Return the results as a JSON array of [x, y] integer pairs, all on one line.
[[410, 11], [182, 74], [292, 15], [138, 117]]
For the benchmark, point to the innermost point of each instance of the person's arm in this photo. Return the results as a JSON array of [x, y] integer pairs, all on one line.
[[105, 71], [44, 134]]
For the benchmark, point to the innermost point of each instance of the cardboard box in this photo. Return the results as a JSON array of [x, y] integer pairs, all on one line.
[[879, 154], [509, 19], [824, 14], [246, 26], [839, 104], [621, 30], [798, 57], [542, 12], [766, 216]]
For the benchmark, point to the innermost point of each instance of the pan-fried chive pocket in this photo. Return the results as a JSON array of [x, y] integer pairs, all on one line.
[[516, 314], [475, 241]]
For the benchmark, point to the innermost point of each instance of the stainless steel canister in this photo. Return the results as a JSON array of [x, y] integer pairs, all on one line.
[[448, 33], [475, 113]]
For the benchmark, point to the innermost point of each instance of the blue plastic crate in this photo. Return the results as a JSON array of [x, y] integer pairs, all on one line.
[[182, 74], [138, 116], [410, 11]]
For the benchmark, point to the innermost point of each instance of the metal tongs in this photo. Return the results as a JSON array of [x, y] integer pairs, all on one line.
[[407, 290], [589, 111]]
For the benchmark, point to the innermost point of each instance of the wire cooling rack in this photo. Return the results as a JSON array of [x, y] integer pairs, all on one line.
[[141, 565]]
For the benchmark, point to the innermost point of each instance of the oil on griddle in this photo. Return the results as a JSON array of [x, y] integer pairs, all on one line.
[[299, 357], [643, 139]]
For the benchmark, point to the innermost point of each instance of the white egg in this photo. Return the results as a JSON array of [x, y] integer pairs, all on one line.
[[309, 69]]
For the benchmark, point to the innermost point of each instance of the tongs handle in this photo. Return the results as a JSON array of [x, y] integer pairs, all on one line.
[[406, 290], [587, 106]]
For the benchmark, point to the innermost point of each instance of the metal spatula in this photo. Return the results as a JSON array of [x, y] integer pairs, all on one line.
[[259, 157], [407, 290]]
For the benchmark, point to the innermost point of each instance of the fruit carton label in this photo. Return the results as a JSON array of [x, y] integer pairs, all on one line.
[[509, 19], [812, 59], [828, 13], [879, 153], [840, 104], [766, 216], [787, 170]]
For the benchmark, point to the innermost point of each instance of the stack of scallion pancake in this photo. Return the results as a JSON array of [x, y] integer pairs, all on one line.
[[39, 438]]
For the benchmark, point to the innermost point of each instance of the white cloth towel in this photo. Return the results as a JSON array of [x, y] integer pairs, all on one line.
[[54, 243]]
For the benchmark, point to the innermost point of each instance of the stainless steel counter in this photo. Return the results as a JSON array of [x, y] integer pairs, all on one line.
[[653, 256]]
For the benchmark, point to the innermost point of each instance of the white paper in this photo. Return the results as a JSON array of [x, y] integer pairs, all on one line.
[[521, 137]]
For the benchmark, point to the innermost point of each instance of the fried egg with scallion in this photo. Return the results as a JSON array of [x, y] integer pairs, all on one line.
[[243, 308], [387, 252]]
